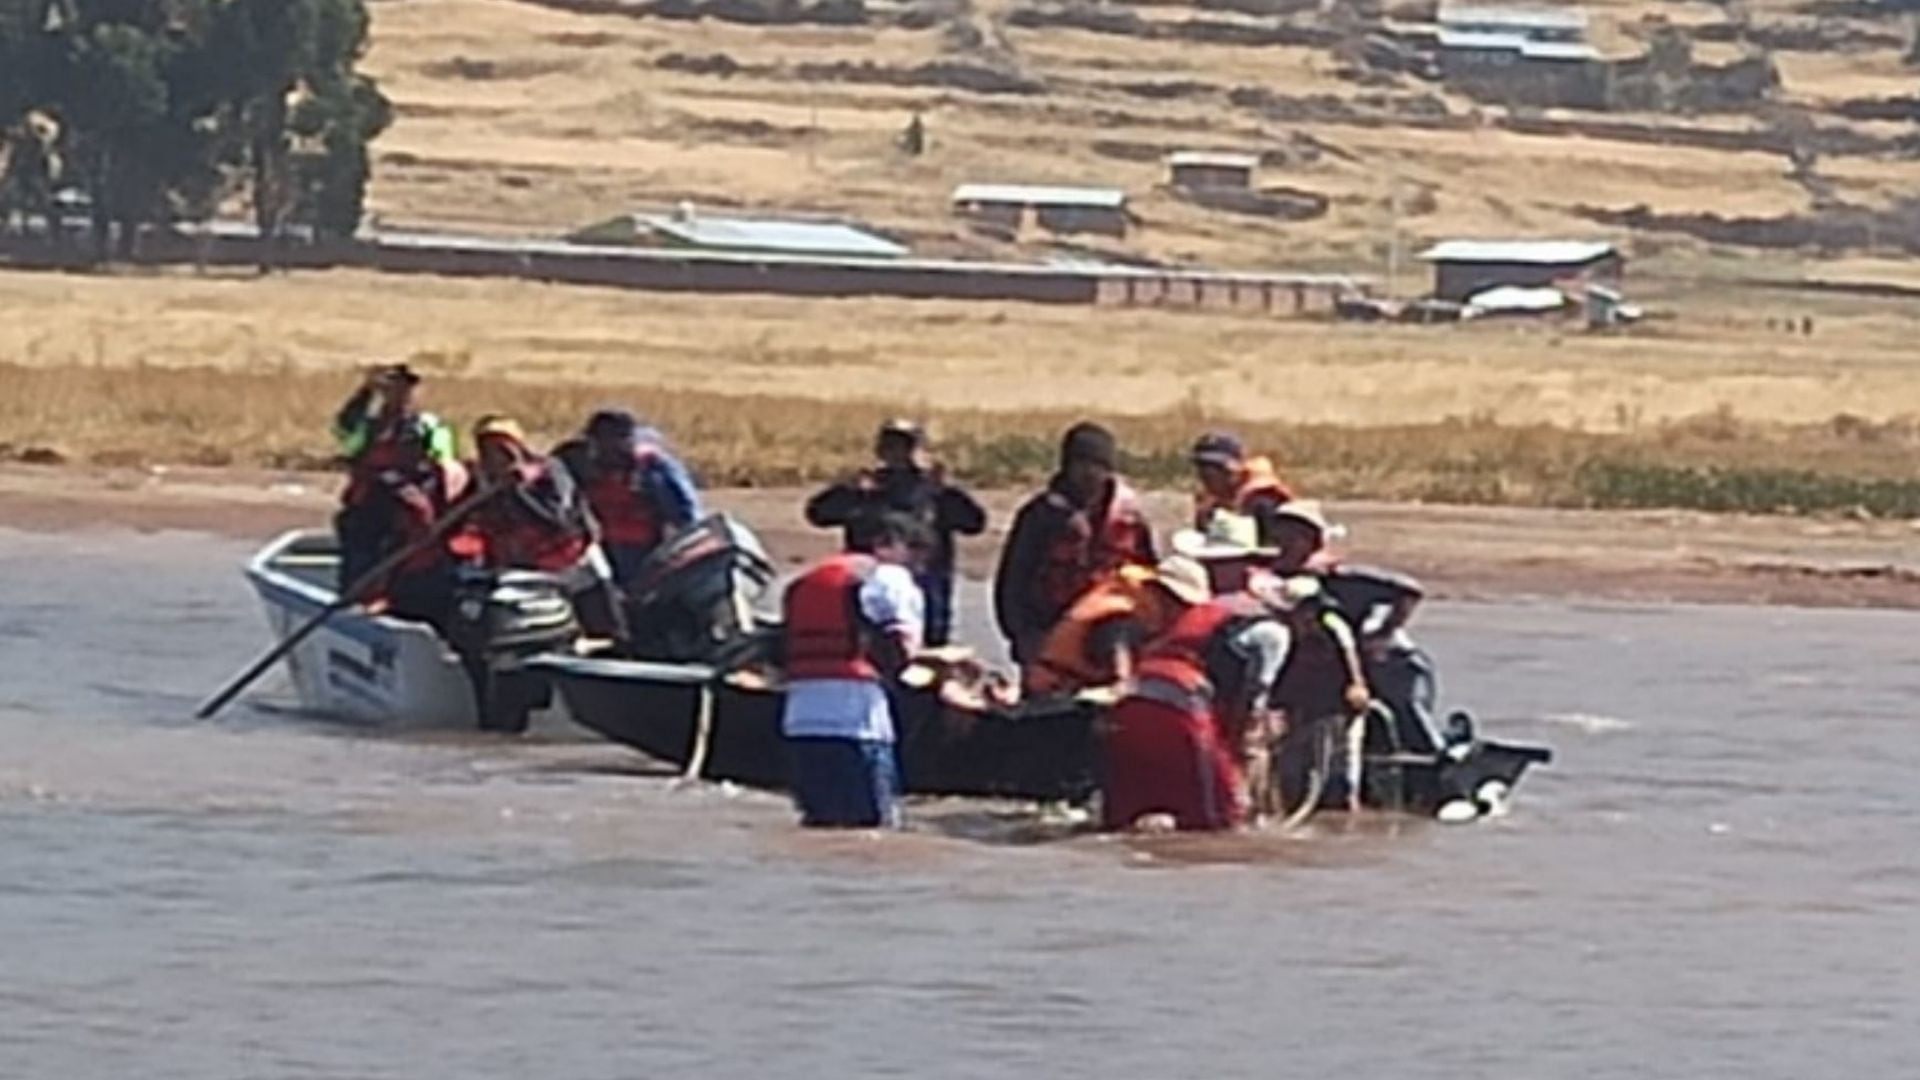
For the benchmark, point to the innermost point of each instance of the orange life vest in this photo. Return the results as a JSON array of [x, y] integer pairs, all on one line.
[[824, 636], [1064, 663], [516, 539], [627, 516], [1087, 551], [1257, 478]]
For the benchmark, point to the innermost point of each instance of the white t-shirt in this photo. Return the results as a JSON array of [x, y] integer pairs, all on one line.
[[891, 603]]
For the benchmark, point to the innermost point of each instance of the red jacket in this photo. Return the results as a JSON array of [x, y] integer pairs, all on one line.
[[825, 636]]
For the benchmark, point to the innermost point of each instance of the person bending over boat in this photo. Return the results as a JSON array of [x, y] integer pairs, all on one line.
[[380, 429], [1375, 605], [1178, 743], [1233, 483], [1086, 525], [639, 492], [906, 480], [853, 622], [1096, 642], [539, 522]]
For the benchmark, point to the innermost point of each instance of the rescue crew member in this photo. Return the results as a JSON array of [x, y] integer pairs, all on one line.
[[906, 480], [1230, 481], [639, 492], [414, 494], [1178, 743], [541, 523], [1086, 525], [1095, 643], [853, 623], [1376, 605], [370, 429]]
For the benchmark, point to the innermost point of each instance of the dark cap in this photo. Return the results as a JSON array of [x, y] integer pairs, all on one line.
[[901, 428], [612, 423], [1090, 443], [1218, 448], [400, 373]]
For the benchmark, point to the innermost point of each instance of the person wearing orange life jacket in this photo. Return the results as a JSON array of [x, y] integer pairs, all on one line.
[[639, 492], [852, 623], [1231, 482], [1096, 642], [381, 433], [539, 522], [1086, 525], [1177, 743]]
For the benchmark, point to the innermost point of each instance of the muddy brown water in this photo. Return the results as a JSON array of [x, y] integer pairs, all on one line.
[[1717, 878]]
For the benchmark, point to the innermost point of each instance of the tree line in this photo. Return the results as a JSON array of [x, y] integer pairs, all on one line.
[[170, 110]]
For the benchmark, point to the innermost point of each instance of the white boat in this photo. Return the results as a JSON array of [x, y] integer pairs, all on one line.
[[358, 667]]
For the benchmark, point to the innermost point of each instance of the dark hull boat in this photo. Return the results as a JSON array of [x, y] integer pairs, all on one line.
[[1042, 750]]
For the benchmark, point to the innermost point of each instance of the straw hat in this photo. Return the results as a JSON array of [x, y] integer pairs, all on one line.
[[1185, 578], [1227, 536], [502, 427]]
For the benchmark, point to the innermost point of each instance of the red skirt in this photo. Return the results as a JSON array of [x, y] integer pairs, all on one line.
[[1165, 760]]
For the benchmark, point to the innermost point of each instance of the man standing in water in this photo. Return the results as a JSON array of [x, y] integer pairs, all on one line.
[[853, 623], [907, 481], [1085, 525], [380, 428]]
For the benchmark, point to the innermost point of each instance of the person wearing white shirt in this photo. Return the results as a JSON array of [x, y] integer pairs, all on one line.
[[853, 622]]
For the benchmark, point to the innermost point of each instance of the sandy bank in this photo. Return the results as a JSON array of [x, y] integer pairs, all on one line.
[[1461, 552]]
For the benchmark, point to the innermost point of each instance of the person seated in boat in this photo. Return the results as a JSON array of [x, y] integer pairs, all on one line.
[[1095, 643], [380, 424], [1178, 743], [906, 479], [1086, 525], [1231, 482], [411, 497], [639, 492], [853, 623], [539, 522], [1376, 605]]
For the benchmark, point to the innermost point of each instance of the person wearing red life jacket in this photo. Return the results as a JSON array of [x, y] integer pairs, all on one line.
[[1231, 482], [383, 437], [1085, 526], [414, 493], [1177, 744], [852, 624], [539, 522], [639, 492]]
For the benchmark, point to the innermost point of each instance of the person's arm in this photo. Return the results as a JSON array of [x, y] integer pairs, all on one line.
[[440, 442], [891, 604], [1016, 581], [1262, 648], [1358, 695], [671, 487], [353, 423], [960, 513], [835, 505]]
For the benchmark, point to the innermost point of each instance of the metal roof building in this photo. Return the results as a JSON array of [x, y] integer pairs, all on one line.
[[1463, 268], [1534, 23], [686, 228], [1040, 195], [1004, 208]]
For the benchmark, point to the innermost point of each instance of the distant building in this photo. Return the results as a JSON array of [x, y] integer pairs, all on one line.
[[686, 227], [1006, 208], [1463, 268], [1542, 25], [1521, 56], [1211, 169]]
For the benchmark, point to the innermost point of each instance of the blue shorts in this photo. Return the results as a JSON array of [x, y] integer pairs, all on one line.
[[846, 783]]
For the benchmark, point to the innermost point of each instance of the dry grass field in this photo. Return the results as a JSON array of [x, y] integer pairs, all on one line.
[[518, 116]]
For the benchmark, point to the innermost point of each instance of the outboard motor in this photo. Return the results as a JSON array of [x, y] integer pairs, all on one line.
[[696, 595], [499, 619]]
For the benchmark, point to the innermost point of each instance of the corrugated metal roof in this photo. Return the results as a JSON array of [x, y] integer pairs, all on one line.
[[1541, 252], [770, 234], [1220, 159], [1041, 195], [1517, 43], [1520, 17]]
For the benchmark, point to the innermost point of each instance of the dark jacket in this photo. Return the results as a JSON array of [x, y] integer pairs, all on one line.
[[1021, 606], [945, 510]]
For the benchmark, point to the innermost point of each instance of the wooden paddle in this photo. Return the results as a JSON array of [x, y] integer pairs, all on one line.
[[353, 594]]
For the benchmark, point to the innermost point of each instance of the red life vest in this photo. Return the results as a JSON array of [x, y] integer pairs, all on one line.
[[628, 517], [382, 453], [823, 626], [1085, 551], [449, 486], [1179, 658], [515, 539]]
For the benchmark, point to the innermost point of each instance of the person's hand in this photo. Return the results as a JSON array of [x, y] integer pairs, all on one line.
[[1358, 698], [414, 499], [937, 472]]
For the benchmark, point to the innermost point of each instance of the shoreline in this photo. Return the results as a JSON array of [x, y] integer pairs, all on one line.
[[1460, 552]]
